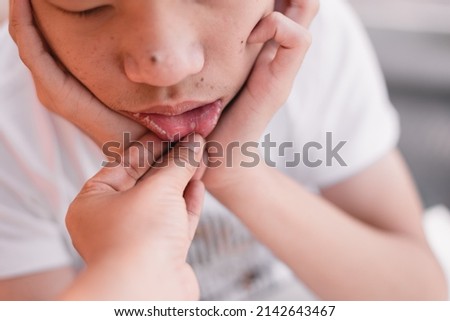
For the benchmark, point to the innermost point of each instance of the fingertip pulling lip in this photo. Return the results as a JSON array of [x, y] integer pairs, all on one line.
[[175, 122]]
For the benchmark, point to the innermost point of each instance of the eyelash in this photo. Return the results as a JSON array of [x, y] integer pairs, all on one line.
[[89, 12]]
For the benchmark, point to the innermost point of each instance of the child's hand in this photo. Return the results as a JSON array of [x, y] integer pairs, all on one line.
[[143, 217], [58, 90], [286, 41]]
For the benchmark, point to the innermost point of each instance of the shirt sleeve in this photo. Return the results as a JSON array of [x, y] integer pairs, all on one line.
[[32, 233], [340, 98], [29, 244], [32, 238]]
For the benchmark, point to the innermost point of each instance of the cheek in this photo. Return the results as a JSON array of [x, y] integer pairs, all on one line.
[[93, 62], [229, 55], [91, 59]]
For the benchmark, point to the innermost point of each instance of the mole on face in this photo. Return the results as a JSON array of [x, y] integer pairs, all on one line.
[[242, 47], [199, 83]]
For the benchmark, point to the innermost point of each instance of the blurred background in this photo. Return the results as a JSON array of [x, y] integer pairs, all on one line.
[[412, 40], [3, 9]]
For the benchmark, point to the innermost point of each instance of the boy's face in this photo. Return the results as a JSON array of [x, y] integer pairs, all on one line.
[[157, 56]]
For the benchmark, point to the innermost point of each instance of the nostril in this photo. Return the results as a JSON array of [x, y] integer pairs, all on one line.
[[163, 67], [154, 59]]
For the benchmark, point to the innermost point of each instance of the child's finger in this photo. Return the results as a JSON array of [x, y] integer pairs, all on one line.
[[177, 168], [31, 47], [69, 98], [303, 11], [194, 196], [286, 44], [125, 172], [293, 42]]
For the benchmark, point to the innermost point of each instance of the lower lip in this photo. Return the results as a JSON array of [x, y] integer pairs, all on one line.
[[201, 120]]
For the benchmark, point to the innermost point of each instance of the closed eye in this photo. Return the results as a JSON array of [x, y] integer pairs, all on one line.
[[89, 12]]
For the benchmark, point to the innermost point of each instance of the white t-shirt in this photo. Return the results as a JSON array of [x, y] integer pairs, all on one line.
[[45, 160]]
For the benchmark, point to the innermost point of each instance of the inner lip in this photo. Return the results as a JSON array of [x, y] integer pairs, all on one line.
[[145, 117], [172, 110]]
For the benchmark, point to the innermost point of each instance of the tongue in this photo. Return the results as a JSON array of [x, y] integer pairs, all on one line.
[[172, 128]]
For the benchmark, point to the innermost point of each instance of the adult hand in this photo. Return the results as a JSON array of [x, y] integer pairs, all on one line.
[[286, 41], [59, 91], [136, 221]]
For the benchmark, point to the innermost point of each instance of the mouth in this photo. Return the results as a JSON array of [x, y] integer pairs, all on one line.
[[189, 118]]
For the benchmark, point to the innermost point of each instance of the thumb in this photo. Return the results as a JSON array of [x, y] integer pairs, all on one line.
[[177, 168], [194, 196]]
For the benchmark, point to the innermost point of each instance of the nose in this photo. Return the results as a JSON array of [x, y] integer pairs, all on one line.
[[162, 48]]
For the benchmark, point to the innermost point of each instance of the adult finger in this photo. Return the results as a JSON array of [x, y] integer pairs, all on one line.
[[202, 169], [125, 170], [179, 165], [194, 196]]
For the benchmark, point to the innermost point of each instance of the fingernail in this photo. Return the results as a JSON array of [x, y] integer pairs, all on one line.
[[195, 147], [194, 143]]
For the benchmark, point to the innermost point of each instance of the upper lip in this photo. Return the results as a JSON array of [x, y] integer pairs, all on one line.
[[171, 110]]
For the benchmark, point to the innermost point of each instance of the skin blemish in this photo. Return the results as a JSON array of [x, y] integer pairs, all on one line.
[[102, 66], [171, 94]]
